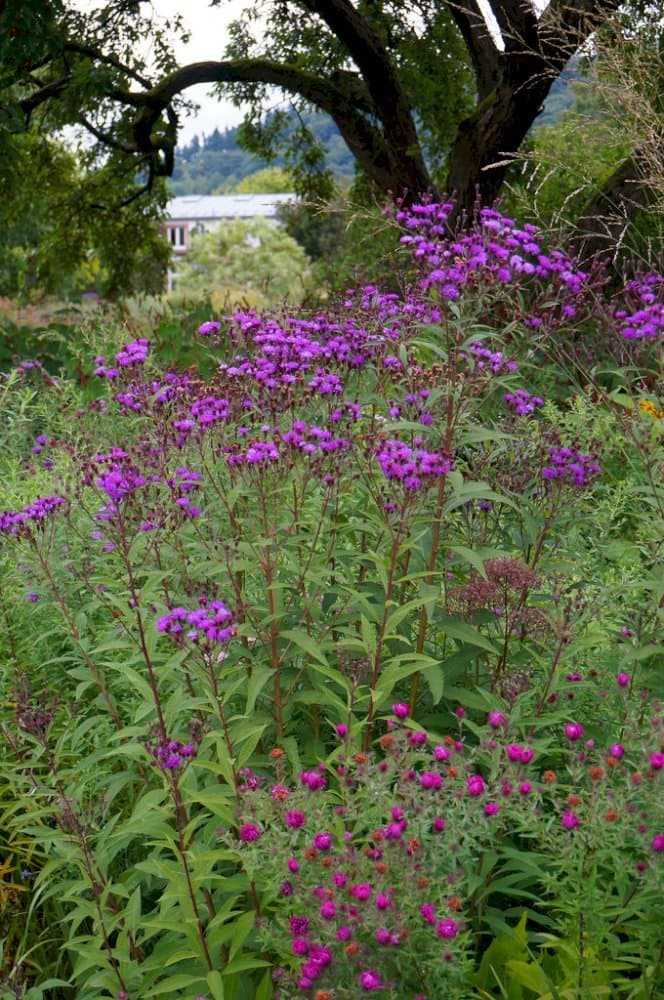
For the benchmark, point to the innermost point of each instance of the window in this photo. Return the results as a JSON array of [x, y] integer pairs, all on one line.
[[176, 236]]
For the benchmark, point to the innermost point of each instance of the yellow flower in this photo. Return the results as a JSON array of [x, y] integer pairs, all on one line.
[[649, 407]]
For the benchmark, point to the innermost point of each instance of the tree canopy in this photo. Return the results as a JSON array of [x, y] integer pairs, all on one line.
[[424, 94]]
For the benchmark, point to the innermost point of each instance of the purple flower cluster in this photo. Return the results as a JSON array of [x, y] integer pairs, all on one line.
[[172, 754], [647, 320], [211, 623], [33, 513], [570, 465], [522, 402], [411, 466], [494, 250], [130, 354]]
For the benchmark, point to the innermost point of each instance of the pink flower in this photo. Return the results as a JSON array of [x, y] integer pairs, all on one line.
[[570, 820], [382, 901], [328, 910], [323, 841], [617, 750], [249, 832], [491, 809], [300, 946], [370, 981], [475, 785], [447, 928], [401, 710], [429, 779], [341, 730], [428, 912], [657, 760], [573, 731], [438, 824], [441, 753], [525, 788], [496, 720], [622, 680], [295, 819], [361, 891], [658, 842]]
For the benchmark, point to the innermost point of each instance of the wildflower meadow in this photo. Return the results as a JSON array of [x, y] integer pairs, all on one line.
[[331, 649]]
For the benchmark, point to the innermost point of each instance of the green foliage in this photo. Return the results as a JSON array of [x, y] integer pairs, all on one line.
[[254, 262], [53, 242], [269, 180], [245, 597]]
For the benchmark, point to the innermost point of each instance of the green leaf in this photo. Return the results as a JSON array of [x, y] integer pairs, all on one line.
[[463, 632]]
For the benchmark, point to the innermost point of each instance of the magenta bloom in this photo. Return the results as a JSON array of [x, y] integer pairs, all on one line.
[[249, 832], [491, 809], [328, 910], [300, 946], [341, 730], [658, 842], [361, 891], [573, 731], [429, 779], [401, 710], [570, 820], [617, 750], [382, 901], [475, 785], [622, 680], [657, 760], [525, 788], [293, 865], [295, 819], [447, 928], [441, 753], [370, 981], [428, 912], [323, 841], [496, 720]]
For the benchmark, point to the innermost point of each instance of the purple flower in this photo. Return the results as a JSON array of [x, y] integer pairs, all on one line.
[[361, 891], [622, 680], [447, 928], [328, 910], [249, 832], [657, 760], [573, 731], [570, 820], [210, 326], [617, 750], [491, 809], [657, 842], [323, 841], [496, 720], [300, 946], [370, 981], [401, 710], [295, 819], [475, 785]]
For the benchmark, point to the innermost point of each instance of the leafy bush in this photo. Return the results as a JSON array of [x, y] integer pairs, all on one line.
[[330, 664]]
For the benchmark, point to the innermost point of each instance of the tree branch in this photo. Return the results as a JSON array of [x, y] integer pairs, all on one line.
[[484, 54]]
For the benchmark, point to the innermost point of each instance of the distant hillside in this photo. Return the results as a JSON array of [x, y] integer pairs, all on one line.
[[215, 164]]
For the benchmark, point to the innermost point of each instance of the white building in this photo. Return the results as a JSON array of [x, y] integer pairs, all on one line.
[[204, 212]]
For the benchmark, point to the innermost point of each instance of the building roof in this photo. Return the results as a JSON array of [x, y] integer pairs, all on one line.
[[225, 206]]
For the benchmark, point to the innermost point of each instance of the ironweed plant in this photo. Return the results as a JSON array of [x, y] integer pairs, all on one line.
[[335, 671]]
